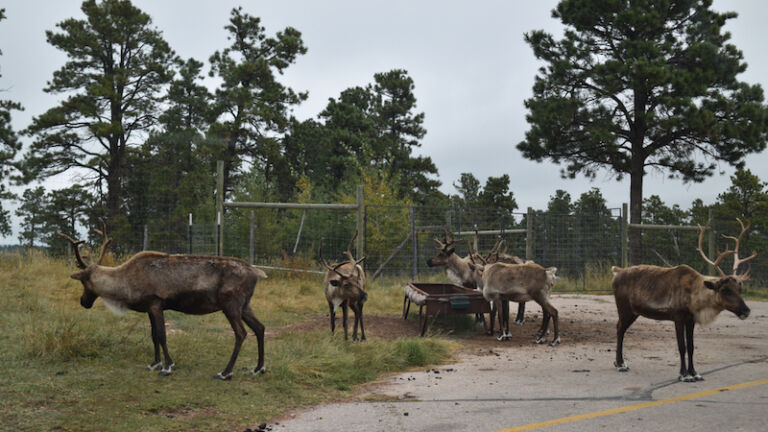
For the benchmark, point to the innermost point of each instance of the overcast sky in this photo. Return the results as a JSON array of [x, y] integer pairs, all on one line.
[[471, 68]]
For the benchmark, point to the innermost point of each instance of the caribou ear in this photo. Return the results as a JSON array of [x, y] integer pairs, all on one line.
[[711, 285], [81, 276]]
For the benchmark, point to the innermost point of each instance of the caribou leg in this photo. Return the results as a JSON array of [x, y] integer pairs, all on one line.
[[157, 364], [626, 318], [344, 314], [158, 329], [258, 329], [689, 345], [543, 300], [503, 310], [542, 333], [358, 310], [235, 316], [333, 317], [680, 333], [520, 318]]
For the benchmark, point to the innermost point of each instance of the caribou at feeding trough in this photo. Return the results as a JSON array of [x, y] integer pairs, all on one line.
[[460, 273], [344, 286], [503, 282], [152, 282], [679, 294]]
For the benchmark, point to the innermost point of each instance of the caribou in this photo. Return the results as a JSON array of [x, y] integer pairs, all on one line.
[[459, 272], [152, 282], [344, 286], [503, 282], [679, 294]]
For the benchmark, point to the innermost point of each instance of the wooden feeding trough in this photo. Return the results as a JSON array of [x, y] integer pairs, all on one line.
[[442, 299]]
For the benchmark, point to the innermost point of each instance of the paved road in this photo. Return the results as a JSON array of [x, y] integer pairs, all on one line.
[[527, 387]]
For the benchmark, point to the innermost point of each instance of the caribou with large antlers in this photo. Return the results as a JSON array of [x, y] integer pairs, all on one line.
[[152, 282], [679, 294], [344, 286]]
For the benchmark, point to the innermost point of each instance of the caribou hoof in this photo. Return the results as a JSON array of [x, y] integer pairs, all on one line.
[[504, 337], [621, 367], [154, 366], [698, 377], [540, 340], [167, 370], [519, 322], [686, 378], [223, 377], [260, 371], [555, 341]]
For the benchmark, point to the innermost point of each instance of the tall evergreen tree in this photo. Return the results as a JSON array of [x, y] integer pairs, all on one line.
[[745, 198], [32, 214], [401, 130], [252, 106], [173, 173], [117, 66], [469, 191], [9, 145], [496, 194], [638, 85], [64, 209]]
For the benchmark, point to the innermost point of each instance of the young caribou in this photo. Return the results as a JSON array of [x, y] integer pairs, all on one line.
[[344, 286], [152, 282], [679, 294]]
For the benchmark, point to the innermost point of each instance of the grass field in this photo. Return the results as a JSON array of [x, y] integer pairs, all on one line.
[[63, 368]]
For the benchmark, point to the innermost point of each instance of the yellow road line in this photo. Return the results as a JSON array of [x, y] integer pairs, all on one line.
[[632, 407]]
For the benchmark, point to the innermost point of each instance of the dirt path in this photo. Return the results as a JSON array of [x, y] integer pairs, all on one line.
[[496, 385]]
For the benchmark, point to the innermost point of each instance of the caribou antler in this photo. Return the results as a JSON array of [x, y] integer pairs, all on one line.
[[448, 236], [473, 253], [348, 252], [739, 261], [75, 247], [105, 240], [720, 255], [495, 250], [325, 263]]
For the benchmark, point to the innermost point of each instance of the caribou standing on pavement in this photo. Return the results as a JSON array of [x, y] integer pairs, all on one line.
[[679, 294]]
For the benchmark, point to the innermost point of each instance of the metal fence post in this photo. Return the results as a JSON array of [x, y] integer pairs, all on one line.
[[250, 242], [220, 207], [189, 234], [360, 222], [624, 235], [415, 269], [711, 244], [529, 234], [145, 244]]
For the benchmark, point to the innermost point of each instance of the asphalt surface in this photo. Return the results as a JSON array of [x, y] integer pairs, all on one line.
[[573, 386]]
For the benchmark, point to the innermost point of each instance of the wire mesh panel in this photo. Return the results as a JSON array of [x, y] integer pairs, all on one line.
[[288, 238], [577, 243]]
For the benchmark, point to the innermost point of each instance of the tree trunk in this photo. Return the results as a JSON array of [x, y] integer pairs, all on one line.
[[636, 215], [113, 189]]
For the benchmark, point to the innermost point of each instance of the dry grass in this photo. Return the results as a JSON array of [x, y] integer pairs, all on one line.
[[62, 365]]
